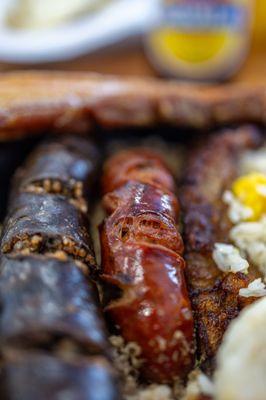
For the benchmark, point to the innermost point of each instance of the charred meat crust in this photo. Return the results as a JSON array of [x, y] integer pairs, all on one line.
[[31, 375], [43, 223], [36, 102], [44, 299], [142, 257], [66, 166], [211, 168]]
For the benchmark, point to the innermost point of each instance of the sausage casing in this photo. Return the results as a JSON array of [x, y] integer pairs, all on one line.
[[142, 257], [31, 375], [47, 223], [210, 170], [44, 298], [66, 165]]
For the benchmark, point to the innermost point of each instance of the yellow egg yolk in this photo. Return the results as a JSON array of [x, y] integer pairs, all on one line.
[[250, 190]]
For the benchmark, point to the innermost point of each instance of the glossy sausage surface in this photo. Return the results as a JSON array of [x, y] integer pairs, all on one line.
[[142, 258], [140, 166]]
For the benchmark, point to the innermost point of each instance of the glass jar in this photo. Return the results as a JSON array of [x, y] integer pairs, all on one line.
[[201, 39]]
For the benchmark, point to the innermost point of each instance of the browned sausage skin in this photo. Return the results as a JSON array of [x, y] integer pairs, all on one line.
[[211, 168], [142, 256]]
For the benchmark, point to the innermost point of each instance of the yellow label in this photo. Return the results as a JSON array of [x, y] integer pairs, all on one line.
[[198, 36], [189, 46]]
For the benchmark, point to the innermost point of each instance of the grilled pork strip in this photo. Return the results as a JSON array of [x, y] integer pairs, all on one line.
[[210, 170], [37, 102], [142, 258]]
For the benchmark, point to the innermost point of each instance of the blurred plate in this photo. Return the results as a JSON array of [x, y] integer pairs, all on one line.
[[114, 22]]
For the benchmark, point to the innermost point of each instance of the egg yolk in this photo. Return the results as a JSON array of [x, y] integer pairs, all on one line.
[[250, 190]]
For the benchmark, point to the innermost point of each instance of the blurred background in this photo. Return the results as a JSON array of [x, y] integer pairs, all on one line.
[[202, 40]]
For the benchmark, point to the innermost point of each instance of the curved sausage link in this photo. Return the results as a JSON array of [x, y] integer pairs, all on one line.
[[142, 166], [142, 257], [145, 214]]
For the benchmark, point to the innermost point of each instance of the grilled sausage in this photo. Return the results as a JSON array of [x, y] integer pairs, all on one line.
[[66, 166], [143, 166], [211, 168], [43, 299], [52, 336], [142, 257], [47, 223], [32, 375]]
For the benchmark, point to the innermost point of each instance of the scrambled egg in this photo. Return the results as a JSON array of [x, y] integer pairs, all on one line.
[[250, 190]]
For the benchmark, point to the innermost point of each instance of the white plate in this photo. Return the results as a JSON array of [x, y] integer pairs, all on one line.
[[120, 19]]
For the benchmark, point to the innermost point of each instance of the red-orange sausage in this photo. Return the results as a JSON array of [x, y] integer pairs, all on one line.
[[142, 213], [142, 256], [139, 165]]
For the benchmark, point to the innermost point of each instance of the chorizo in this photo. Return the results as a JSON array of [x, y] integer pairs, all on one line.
[[142, 258]]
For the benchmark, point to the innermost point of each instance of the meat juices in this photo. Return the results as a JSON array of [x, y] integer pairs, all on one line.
[[211, 168], [142, 258], [53, 339]]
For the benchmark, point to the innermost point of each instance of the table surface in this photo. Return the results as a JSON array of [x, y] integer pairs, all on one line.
[[128, 58]]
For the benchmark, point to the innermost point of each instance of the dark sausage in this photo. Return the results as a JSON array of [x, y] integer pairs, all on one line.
[[35, 375], [43, 298], [66, 165], [47, 223]]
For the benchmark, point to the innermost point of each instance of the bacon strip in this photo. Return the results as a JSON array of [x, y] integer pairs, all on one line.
[[210, 169], [142, 259]]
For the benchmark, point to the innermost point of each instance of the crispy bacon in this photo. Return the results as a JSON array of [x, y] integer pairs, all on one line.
[[142, 258]]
